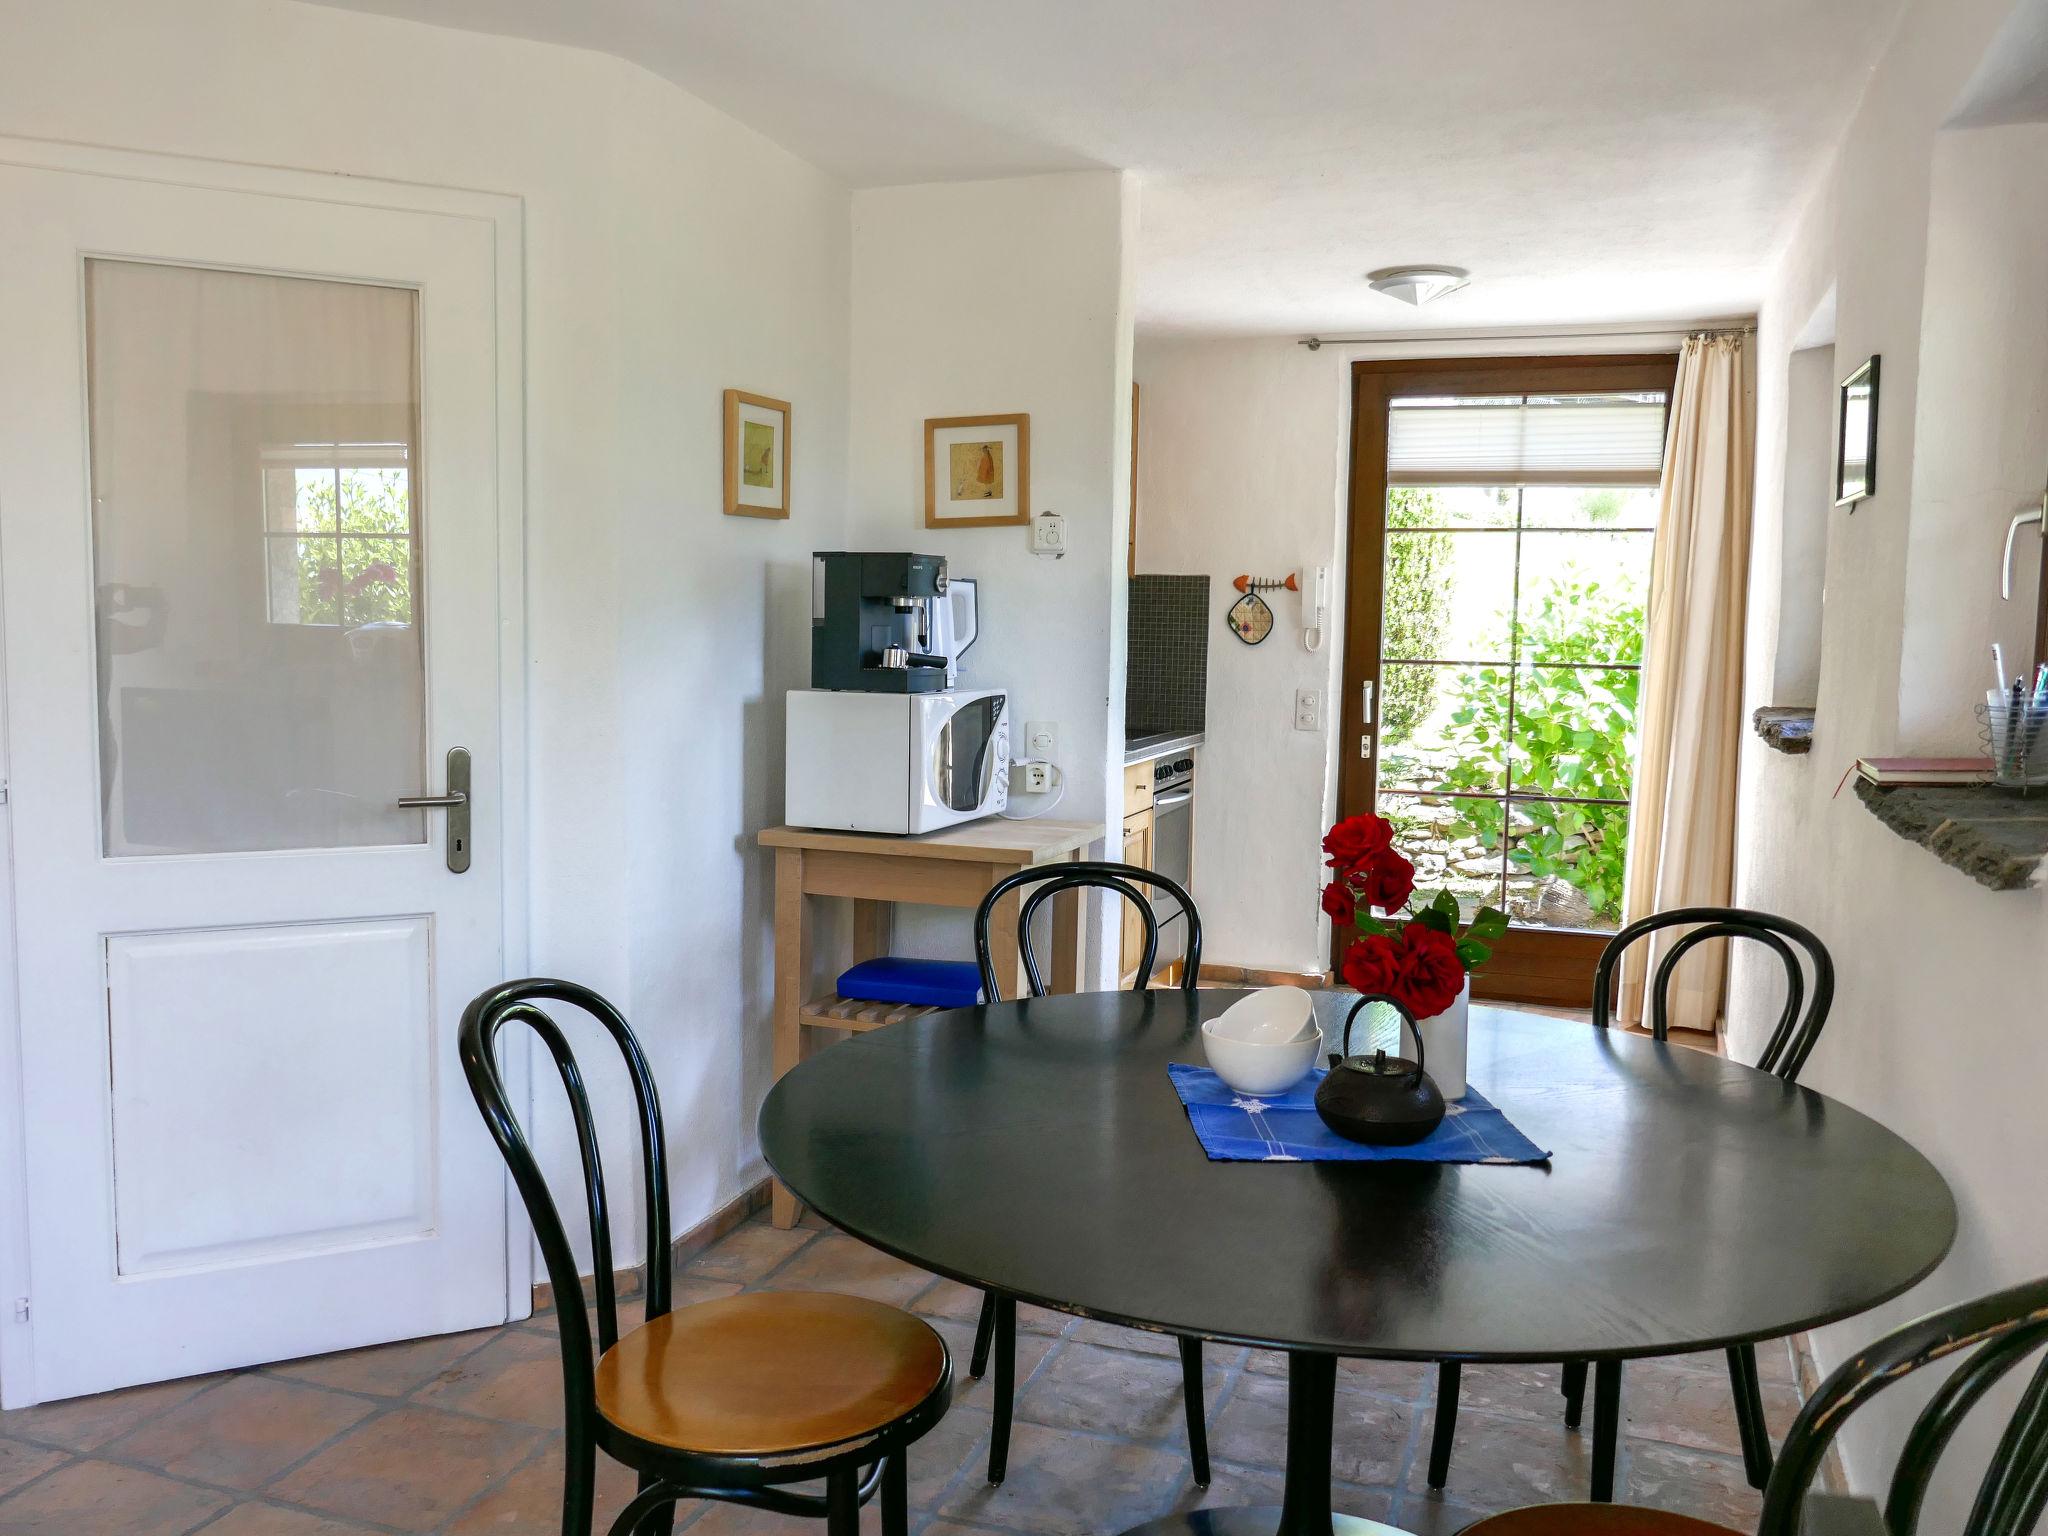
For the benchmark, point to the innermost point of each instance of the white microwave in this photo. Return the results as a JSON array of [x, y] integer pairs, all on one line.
[[896, 762]]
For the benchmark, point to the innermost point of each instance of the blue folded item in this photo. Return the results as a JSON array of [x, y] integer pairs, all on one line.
[[933, 983], [1238, 1127]]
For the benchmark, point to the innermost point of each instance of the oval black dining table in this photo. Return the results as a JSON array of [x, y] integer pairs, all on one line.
[[1038, 1148]]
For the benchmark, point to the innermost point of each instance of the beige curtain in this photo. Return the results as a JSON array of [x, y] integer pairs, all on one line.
[[1682, 830]]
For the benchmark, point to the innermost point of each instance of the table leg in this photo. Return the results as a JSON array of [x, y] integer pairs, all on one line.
[[792, 974], [1311, 1411], [1606, 1427], [870, 930]]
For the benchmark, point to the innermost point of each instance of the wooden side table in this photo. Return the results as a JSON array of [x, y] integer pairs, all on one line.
[[953, 868]]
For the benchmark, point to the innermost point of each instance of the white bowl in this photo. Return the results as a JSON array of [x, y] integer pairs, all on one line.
[[1259, 1066], [1269, 1016]]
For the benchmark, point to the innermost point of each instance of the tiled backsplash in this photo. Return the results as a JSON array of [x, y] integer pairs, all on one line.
[[1169, 661]]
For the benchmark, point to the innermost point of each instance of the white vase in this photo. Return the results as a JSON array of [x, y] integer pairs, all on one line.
[[1443, 1045]]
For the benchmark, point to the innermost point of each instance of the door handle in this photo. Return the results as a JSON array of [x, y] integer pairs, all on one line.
[[454, 800], [2012, 531]]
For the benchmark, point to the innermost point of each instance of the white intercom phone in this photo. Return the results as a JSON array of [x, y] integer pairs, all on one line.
[[1315, 608]]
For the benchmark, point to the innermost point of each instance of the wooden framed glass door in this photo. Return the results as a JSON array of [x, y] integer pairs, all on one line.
[[1503, 512]]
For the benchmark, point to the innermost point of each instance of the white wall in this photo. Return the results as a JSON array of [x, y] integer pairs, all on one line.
[[1929, 1033], [1240, 465], [977, 298], [670, 253], [1809, 493]]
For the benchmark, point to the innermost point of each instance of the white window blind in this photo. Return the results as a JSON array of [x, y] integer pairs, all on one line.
[[1613, 439]]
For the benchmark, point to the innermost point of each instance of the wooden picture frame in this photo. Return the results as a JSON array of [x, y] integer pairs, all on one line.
[[1856, 450], [977, 471], [756, 472]]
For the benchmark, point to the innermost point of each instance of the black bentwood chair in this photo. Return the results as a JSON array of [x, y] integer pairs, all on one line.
[[1992, 1334], [997, 1327], [1791, 1042], [729, 1399]]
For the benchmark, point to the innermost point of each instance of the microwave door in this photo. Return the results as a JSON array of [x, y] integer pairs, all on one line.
[[963, 755]]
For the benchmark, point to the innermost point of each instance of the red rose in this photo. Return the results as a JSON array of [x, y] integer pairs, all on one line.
[[1430, 974], [1356, 839], [1373, 964], [1387, 882], [1339, 903]]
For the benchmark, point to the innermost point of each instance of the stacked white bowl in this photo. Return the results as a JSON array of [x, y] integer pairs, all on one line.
[[1265, 1042]]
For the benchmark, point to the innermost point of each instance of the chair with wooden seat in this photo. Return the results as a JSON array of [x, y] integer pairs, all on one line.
[[733, 1399], [1791, 1042], [1992, 1335], [996, 1330]]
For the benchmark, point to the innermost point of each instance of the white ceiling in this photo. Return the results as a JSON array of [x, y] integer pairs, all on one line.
[[1589, 160]]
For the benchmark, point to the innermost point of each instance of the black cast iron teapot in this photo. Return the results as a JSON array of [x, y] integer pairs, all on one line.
[[1381, 1100]]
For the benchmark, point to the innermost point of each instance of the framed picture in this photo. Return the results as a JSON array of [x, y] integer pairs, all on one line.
[[1856, 443], [756, 455], [977, 471]]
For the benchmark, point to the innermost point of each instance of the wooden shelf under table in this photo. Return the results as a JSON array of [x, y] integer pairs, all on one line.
[[835, 1012]]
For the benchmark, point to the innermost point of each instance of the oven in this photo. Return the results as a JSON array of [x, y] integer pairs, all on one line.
[[1173, 846]]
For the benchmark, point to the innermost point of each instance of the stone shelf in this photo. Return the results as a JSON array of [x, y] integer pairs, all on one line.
[[1998, 837], [1785, 727]]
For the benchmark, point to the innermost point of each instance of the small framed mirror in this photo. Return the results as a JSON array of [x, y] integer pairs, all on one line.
[[1856, 440]]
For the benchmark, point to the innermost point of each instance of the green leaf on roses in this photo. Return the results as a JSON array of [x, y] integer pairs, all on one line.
[[1473, 953], [1368, 924], [1488, 923], [1445, 903], [1430, 917]]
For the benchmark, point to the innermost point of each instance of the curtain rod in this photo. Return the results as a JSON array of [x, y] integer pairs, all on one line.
[[1317, 343]]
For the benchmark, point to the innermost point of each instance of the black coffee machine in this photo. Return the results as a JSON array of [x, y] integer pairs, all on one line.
[[885, 623]]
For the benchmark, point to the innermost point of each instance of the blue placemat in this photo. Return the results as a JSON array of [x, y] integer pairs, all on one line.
[[1285, 1128]]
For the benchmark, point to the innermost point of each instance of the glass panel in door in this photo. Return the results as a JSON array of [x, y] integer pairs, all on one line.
[[1512, 637], [256, 558]]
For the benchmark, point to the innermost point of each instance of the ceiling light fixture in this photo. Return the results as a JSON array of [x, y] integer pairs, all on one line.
[[1418, 285]]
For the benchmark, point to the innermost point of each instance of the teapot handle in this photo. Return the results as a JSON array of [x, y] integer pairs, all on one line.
[[1399, 1007]]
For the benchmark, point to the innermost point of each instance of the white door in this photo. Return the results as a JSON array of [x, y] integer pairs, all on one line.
[[248, 562]]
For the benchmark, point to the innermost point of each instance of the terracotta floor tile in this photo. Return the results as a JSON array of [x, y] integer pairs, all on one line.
[[1405, 1379], [385, 1370], [949, 1298], [836, 1262], [517, 1377], [21, 1463], [1695, 1409], [1519, 1391], [1432, 1515], [411, 1468], [747, 1253], [1708, 1487], [244, 1432], [529, 1502], [259, 1519], [1371, 1432], [1032, 1348], [1065, 1484], [1503, 1463], [103, 1499], [956, 1447], [1113, 1392], [87, 1423]]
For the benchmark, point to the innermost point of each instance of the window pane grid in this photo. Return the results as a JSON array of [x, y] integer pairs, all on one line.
[[1515, 770]]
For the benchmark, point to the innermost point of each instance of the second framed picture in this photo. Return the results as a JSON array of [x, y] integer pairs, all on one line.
[[977, 471], [756, 455]]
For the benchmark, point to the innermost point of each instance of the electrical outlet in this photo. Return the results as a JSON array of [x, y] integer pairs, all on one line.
[[1042, 740], [1031, 778], [1049, 535], [1308, 710]]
